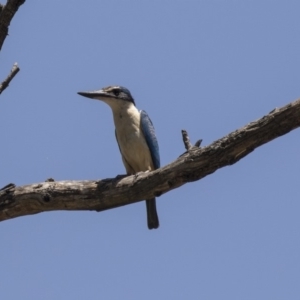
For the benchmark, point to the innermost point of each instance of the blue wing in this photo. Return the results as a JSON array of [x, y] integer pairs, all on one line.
[[149, 134]]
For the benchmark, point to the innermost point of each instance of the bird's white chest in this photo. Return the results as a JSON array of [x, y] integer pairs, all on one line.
[[133, 146]]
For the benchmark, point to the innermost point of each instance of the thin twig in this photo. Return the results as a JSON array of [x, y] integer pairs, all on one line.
[[15, 69], [186, 140], [187, 143]]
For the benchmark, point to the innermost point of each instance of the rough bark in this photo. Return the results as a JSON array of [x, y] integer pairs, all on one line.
[[193, 165], [7, 12]]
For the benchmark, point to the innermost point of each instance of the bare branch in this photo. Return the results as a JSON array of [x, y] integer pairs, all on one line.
[[15, 69], [186, 140], [7, 13], [195, 164]]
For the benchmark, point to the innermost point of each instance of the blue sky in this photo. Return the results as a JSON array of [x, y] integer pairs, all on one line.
[[209, 67]]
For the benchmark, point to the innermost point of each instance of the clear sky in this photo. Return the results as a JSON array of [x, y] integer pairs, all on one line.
[[209, 67]]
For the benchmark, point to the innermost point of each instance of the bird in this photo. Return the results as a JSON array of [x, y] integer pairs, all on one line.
[[135, 136]]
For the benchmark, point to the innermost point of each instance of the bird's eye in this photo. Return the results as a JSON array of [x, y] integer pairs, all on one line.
[[116, 93]]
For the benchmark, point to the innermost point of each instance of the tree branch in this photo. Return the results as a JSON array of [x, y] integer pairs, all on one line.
[[193, 165], [15, 69], [7, 13]]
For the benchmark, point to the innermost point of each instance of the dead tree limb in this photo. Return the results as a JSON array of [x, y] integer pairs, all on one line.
[[5, 83], [7, 13], [193, 165]]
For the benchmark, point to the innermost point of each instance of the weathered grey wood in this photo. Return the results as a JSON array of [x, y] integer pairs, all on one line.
[[193, 165], [5, 83]]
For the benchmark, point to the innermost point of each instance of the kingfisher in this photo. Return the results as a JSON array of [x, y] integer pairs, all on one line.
[[135, 136]]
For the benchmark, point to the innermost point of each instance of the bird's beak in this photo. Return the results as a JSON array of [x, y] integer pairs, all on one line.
[[100, 94]]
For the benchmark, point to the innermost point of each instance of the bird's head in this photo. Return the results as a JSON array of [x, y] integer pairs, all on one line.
[[112, 95]]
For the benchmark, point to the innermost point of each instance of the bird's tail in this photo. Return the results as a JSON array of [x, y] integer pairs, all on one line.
[[152, 216]]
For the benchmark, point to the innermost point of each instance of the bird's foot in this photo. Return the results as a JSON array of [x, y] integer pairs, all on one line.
[[141, 172]]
